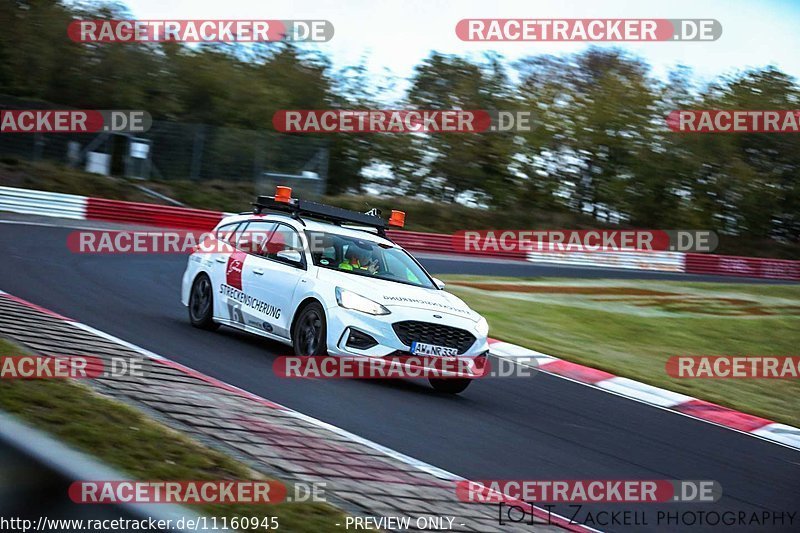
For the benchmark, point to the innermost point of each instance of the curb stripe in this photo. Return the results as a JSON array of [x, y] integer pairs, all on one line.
[[577, 372], [644, 392], [722, 415], [788, 435], [648, 394]]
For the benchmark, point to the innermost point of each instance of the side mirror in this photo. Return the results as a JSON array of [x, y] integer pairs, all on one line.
[[439, 283], [290, 256]]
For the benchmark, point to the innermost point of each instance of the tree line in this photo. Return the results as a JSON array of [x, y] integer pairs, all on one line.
[[600, 145]]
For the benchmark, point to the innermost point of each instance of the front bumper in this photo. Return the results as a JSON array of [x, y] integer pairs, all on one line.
[[379, 327]]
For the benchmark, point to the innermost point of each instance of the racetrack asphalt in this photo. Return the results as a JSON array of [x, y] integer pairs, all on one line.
[[542, 428]]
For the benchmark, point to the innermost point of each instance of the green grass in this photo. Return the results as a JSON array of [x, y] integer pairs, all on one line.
[[141, 447], [57, 178], [634, 338]]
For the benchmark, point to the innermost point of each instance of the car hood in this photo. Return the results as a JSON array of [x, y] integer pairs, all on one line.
[[394, 294]]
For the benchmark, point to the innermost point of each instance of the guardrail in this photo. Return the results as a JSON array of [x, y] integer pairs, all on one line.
[[32, 202], [36, 472], [444, 244], [663, 261], [85, 208], [751, 267], [151, 214]]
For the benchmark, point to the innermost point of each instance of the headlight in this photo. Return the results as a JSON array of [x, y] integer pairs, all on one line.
[[351, 300], [483, 327]]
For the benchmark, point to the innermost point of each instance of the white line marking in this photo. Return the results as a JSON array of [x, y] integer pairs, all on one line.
[[635, 389]]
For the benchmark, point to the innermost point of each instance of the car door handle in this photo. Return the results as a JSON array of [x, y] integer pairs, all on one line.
[[258, 271], [221, 259]]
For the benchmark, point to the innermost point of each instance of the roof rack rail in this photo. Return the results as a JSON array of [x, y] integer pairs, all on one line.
[[297, 208]]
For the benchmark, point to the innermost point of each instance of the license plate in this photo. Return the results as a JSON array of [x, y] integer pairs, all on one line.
[[420, 348]]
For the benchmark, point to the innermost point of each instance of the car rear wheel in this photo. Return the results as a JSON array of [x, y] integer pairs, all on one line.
[[450, 386], [201, 304], [309, 336]]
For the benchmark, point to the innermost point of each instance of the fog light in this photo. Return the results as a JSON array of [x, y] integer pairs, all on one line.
[[359, 340]]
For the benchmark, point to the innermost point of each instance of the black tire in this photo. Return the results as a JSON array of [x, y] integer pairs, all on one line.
[[450, 386], [310, 333], [201, 304]]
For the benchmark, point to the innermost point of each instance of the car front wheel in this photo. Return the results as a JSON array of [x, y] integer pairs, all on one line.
[[310, 334]]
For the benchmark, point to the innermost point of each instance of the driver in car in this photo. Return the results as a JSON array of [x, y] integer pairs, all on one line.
[[358, 258]]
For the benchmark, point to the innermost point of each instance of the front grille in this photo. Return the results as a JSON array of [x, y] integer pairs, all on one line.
[[437, 334]]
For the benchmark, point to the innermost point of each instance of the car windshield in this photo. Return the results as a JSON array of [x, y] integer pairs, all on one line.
[[366, 258]]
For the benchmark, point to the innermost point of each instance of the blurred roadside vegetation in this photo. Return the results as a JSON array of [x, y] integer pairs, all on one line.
[[421, 215], [126, 439], [600, 152]]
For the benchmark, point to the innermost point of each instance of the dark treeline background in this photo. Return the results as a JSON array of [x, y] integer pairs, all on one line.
[[601, 145]]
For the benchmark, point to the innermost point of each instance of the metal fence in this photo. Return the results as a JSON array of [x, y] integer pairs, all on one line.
[[178, 151], [36, 472]]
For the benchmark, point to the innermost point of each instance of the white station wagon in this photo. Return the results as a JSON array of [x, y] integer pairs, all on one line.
[[327, 281]]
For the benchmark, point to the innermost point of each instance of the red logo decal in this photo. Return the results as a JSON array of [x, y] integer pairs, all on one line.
[[233, 272]]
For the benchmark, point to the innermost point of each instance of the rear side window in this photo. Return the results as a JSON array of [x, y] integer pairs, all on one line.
[[227, 233], [254, 238], [236, 236]]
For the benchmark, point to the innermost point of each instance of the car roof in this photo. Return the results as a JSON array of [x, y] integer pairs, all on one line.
[[311, 225]]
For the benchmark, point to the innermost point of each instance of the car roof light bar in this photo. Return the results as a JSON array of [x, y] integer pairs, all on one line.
[[282, 202]]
